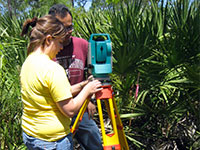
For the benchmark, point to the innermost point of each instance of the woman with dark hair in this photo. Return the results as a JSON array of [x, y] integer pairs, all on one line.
[[47, 96]]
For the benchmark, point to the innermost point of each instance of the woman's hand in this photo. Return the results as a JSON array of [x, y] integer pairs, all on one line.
[[93, 86]]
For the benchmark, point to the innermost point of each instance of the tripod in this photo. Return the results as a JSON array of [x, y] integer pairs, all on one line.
[[115, 140]]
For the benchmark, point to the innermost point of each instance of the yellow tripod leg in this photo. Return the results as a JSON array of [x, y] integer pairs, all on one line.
[[122, 138], [110, 141], [79, 117]]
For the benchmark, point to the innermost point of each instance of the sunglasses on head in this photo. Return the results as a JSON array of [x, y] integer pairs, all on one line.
[[69, 28]]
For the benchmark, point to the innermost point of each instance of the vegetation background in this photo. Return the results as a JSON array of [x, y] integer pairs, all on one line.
[[156, 51]]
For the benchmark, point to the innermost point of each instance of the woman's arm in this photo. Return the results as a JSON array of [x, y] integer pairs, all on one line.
[[76, 88], [70, 107]]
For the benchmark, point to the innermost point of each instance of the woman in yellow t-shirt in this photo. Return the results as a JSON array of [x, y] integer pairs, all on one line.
[[47, 96]]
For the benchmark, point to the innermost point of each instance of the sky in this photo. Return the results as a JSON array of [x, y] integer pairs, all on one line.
[[87, 5]]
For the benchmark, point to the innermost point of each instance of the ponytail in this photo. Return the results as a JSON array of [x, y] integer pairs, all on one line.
[[41, 27], [27, 24]]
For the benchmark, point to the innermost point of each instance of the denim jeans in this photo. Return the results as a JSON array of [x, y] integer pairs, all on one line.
[[32, 143], [88, 134]]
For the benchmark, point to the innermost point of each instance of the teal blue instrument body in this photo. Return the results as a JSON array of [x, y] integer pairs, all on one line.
[[100, 55]]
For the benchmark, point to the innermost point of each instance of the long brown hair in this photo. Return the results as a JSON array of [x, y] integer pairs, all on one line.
[[41, 27]]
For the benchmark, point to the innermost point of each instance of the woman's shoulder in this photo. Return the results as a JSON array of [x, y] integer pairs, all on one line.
[[43, 61], [54, 66]]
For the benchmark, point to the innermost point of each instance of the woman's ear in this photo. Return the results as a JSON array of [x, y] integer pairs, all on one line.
[[48, 40]]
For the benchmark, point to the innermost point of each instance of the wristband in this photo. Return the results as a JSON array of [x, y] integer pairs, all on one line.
[[81, 85]]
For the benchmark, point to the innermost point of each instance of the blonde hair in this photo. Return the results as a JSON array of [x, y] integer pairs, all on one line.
[[46, 25]]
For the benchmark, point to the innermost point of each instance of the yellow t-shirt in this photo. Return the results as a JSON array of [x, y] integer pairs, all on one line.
[[43, 83]]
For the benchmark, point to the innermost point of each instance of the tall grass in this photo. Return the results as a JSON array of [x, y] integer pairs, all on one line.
[[12, 55]]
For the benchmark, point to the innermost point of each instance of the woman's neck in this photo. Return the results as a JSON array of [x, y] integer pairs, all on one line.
[[39, 50]]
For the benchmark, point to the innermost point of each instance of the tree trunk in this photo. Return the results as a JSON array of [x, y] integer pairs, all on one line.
[[9, 8], [72, 3], [15, 9]]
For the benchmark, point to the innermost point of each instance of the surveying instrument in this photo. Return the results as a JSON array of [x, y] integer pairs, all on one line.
[[100, 66]]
